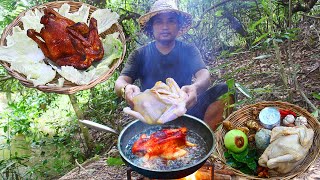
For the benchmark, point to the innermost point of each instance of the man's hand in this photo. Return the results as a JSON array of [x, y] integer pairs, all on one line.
[[191, 91], [162, 103], [131, 91], [201, 84]]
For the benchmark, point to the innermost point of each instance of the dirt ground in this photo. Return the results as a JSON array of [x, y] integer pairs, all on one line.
[[254, 74], [99, 170]]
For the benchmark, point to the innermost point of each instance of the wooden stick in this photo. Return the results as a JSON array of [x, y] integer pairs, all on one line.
[[80, 165], [224, 171], [315, 17], [221, 177]]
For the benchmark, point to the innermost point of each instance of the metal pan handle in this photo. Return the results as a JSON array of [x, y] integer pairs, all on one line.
[[98, 126]]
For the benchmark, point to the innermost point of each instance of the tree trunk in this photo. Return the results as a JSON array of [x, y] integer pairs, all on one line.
[[235, 23], [85, 132], [306, 7]]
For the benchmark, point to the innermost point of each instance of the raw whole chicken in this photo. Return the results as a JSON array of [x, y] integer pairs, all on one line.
[[288, 148], [160, 104], [68, 43], [166, 143]]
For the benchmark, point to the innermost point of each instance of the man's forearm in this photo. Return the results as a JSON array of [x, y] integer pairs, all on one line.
[[202, 81], [121, 82]]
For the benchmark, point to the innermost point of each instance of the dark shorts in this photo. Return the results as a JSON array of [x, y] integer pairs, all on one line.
[[206, 98]]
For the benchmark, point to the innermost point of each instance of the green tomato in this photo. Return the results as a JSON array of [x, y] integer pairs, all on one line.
[[236, 141]]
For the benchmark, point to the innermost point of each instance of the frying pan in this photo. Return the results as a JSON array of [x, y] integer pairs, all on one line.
[[192, 123]]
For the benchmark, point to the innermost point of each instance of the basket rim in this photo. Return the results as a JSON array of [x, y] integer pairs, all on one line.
[[266, 102], [219, 136], [71, 88]]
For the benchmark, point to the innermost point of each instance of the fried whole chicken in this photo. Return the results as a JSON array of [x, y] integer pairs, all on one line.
[[166, 143], [68, 43]]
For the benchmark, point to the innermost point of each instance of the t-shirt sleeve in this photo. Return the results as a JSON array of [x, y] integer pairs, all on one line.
[[131, 68], [196, 60]]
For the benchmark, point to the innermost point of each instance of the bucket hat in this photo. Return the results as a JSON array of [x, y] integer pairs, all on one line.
[[165, 6]]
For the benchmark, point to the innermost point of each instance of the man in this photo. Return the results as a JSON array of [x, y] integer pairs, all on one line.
[[167, 57]]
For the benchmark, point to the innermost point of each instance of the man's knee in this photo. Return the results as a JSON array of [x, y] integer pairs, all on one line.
[[226, 100], [220, 89]]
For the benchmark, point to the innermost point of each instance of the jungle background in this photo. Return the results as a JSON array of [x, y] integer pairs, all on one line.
[[264, 50]]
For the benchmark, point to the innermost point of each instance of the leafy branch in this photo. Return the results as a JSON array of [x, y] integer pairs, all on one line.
[[209, 9]]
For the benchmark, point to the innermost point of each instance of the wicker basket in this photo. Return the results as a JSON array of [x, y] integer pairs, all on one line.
[[239, 117], [68, 87]]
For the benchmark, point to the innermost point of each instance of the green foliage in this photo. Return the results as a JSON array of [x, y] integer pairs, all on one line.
[[246, 161], [115, 161], [218, 13], [263, 56], [21, 118], [103, 102], [231, 90], [263, 21], [129, 13], [224, 54], [316, 95], [265, 40], [25, 108], [243, 90], [9, 10], [9, 168], [316, 113], [255, 24], [258, 39], [237, 89]]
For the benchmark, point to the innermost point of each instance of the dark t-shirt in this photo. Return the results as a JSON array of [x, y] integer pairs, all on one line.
[[149, 65]]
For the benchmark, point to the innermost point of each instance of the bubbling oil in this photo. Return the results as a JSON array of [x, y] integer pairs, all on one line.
[[193, 156]]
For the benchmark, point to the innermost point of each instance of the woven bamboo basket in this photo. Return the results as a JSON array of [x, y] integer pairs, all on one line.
[[68, 87], [238, 119]]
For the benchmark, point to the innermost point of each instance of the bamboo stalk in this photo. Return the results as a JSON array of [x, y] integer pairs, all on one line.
[[278, 60], [290, 49]]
